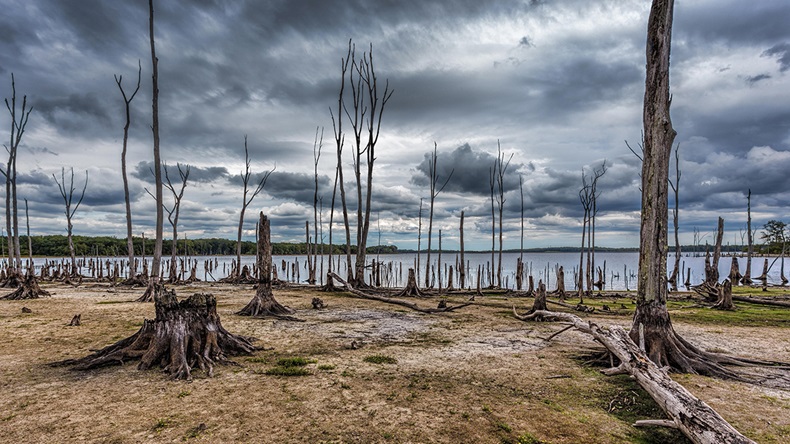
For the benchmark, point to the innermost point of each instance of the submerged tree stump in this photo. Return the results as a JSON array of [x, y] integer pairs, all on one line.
[[28, 289], [263, 303], [183, 336]]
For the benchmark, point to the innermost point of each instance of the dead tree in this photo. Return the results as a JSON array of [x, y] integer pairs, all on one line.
[[724, 301], [651, 323], [246, 201], [67, 192], [693, 417], [747, 274], [712, 275], [264, 303], [18, 126], [586, 200], [520, 262], [462, 265], [434, 180], [594, 194], [673, 279], [337, 127], [500, 181], [419, 240], [491, 183], [154, 287], [317, 145], [172, 216], [366, 100], [127, 102]]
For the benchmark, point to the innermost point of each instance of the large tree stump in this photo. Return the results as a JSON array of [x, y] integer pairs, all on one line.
[[263, 303], [28, 289], [184, 335], [561, 283], [725, 296], [411, 286]]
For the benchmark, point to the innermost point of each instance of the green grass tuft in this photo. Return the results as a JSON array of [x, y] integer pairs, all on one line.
[[380, 359]]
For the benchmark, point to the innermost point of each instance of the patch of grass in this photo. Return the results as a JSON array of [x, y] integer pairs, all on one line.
[[527, 438], [287, 371], [184, 394], [258, 359], [294, 362], [380, 359], [110, 302], [744, 315], [326, 367], [503, 426]]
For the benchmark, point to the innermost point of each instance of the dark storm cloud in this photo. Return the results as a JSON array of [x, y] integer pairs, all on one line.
[[144, 171], [730, 22], [470, 171], [782, 53], [298, 187], [754, 79], [74, 112]]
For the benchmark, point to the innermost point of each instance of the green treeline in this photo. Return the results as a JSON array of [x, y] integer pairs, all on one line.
[[57, 245]]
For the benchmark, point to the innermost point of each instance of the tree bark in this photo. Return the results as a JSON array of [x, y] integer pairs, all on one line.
[[264, 303], [183, 336], [156, 263], [747, 274], [127, 102]]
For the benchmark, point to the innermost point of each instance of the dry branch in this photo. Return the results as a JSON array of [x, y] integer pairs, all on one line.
[[698, 421], [411, 305]]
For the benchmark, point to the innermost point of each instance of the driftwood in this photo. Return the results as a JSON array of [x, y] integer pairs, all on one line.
[[411, 305], [762, 301], [693, 417], [724, 301]]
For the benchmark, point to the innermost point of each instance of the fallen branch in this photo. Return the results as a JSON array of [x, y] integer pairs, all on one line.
[[387, 300], [761, 301], [695, 419]]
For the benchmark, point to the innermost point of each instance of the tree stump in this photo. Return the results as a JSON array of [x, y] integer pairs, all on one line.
[[76, 320], [411, 286], [263, 303], [184, 335], [561, 282], [28, 289], [725, 297], [318, 303], [735, 273]]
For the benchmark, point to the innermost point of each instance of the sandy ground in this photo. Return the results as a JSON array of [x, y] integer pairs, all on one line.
[[477, 375]]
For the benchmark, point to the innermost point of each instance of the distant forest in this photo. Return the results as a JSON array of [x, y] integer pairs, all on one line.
[[57, 245]]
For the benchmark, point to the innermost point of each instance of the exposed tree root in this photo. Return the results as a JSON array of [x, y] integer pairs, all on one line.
[[411, 286], [360, 294], [689, 414], [184, 335], [263, 304], [28, 289]]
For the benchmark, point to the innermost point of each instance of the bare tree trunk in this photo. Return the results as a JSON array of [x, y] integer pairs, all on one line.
[[433, 171], [127, 102], [68, 195], [713, 277], [747, 274], [492, 181], [501, 169], [156, 264], [419, 240], [263, 303], [462, 267]]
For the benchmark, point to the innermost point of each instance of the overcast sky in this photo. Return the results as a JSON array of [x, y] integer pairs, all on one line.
[[558, 83]]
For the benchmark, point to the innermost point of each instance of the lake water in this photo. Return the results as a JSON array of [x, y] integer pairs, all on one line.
[[621, 268]]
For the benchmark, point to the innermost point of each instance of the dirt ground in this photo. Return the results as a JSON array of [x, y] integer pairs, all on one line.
[[374, 373]]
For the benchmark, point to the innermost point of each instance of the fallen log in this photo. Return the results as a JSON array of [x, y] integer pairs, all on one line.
[[411, 305], [761, 301], [693, 417]]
